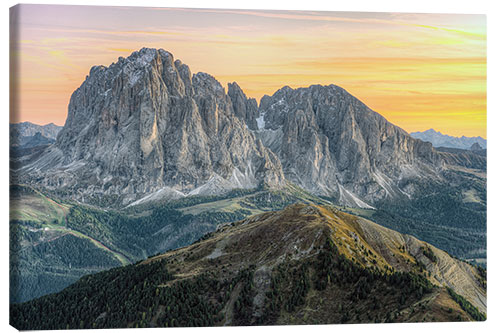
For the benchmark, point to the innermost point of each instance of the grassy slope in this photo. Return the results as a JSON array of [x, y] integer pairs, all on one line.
[[452, 217], [144, 230], [115, 238], [303, 265], [30, 205], [46, 255]]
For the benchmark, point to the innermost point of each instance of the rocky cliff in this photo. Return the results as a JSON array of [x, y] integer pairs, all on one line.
[[145, 124], [332, 144], [146, 127]]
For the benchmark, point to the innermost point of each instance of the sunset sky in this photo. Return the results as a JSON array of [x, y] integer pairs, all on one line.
[[420, 71]]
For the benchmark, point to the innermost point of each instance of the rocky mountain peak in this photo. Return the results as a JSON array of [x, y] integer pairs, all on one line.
[[332, 144], [145, 124], [245, 108], [476, 146]]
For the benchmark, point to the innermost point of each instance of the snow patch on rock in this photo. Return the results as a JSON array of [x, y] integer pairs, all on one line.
[[165, 193], [350, 199]]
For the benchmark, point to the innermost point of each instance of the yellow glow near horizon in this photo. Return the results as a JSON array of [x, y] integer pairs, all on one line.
[[419, 71]]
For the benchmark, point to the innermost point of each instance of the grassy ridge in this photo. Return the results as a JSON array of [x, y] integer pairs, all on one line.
[[439, 216], [150, 294], [113, 238], [466, 306]]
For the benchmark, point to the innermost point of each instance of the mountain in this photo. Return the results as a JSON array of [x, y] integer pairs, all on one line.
[[476, 146], [306, 264], [54, 242], [26, 136], [152, 157], [29, 140], [145, 125], [442, 140], [331, 144], [28, 129]]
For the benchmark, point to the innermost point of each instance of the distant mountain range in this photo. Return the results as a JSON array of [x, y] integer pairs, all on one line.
[[442, 140], [30, 129], [29, 135]]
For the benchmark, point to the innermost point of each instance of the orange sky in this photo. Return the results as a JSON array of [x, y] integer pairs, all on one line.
[[420, 71]]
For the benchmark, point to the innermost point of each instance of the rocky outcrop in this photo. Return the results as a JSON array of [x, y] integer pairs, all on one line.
[[144, 124], [332, 144], [244, 108]]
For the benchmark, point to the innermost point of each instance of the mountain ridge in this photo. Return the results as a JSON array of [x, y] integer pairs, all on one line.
[[165, 128], [27, 128], [147, 112], [439, 139], [306, 257], [331, 143]]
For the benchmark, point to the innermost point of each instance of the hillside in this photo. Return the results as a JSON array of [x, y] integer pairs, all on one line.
[[46, 254], [306, 264], [471, 159], [55, 242]]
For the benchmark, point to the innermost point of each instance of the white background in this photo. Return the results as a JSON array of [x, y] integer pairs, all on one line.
[[419, 6]]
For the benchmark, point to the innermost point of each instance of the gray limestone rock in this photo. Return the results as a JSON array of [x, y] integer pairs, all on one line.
[[144, 124], [332, 144]]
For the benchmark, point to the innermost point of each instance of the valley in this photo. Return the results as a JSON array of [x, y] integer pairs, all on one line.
[[274, 268], [45, 233]]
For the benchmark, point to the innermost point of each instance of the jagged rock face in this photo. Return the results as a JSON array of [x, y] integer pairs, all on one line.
[[145, 126], [332, 144], [244, 108], [145, 123]]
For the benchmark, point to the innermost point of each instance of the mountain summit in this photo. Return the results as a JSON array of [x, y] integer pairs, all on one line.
[[145, 128], [330, 143], [146, 125]]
